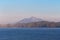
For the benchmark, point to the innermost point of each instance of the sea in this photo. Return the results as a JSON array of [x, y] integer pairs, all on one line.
[[29, 33]]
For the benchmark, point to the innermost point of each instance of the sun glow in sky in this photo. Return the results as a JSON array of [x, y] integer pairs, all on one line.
[[14, 10]]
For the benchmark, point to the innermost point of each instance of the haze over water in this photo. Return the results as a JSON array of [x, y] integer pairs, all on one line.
[[15, 10]]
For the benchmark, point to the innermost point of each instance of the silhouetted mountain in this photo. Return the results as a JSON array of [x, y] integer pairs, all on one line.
[[31, 19], [33, 22], [39, 24]]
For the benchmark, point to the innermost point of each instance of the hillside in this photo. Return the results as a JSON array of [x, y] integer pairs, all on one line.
[[41, 24], [33, 22]]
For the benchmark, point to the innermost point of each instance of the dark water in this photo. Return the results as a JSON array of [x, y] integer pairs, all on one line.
[[29, 34]]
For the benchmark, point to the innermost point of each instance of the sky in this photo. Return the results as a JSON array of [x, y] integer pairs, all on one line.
[[15, 10]]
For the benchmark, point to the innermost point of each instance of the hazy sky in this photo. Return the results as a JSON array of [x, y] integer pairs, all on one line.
[[14, 10]]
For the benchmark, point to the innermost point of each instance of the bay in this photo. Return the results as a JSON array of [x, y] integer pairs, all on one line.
[[29, 33]]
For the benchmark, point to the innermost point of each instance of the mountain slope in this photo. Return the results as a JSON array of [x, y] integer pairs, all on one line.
[[31, 19]]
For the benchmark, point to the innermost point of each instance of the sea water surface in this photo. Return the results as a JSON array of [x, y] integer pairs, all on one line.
[[29, 33]]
